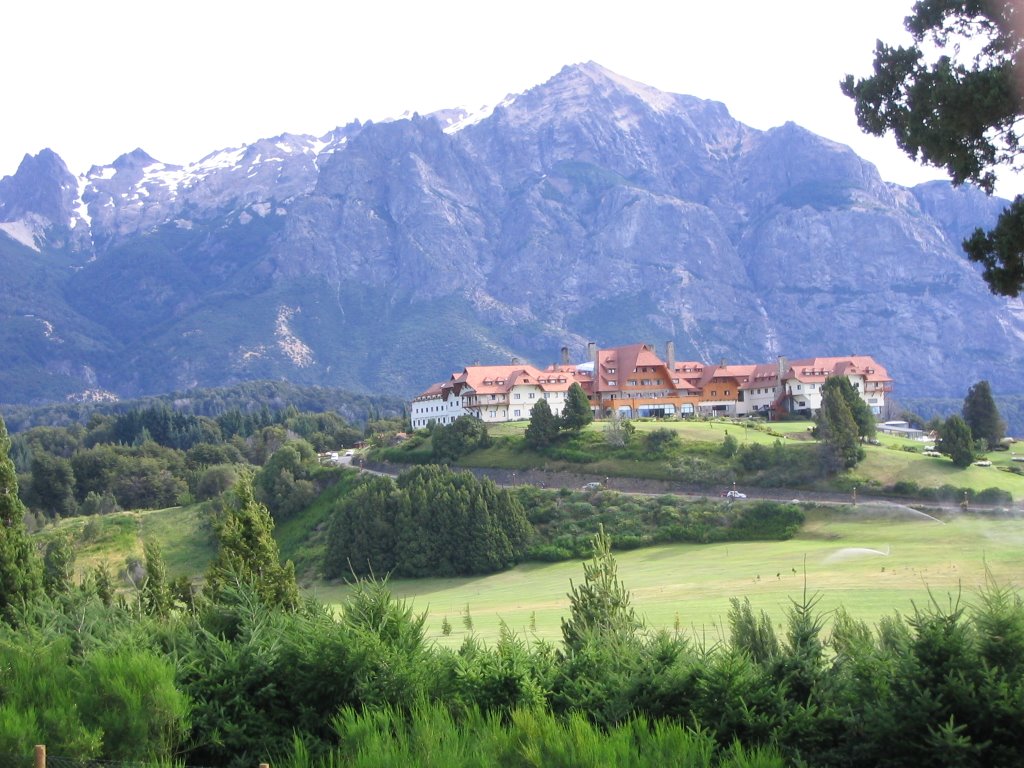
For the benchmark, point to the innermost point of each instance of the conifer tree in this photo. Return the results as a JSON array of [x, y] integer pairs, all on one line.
[[156, 589], [956, 441], [20, 571], [576, 414], [246, 551], [601, 604], [58, 566], [543, 429], [982, 416], [837, 430]]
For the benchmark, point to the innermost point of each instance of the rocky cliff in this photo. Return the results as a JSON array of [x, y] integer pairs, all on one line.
[[384, 255]]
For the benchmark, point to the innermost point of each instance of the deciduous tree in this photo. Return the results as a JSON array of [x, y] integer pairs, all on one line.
[[952, 99]]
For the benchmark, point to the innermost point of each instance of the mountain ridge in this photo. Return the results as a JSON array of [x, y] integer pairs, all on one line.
[[383, 255]]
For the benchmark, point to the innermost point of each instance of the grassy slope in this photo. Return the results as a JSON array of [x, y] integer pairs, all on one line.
[[691, 584], [884, 464]]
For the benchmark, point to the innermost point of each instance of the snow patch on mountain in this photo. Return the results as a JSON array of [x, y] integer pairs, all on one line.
[[21, 231]]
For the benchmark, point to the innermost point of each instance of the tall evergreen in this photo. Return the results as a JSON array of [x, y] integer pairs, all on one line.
[[246, 551], [543, 428], [576, 414], [860, 410], [20, 570], [601, 604], [982, 416], [956, 441], [837, 429], [58, 566]]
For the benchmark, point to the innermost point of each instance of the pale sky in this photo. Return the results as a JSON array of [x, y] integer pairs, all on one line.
[[92, 80]]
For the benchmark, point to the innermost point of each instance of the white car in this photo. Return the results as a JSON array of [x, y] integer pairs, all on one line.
[[735, 495]]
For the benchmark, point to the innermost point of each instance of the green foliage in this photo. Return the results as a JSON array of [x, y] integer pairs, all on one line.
[[950, 100], [156, 591], [566, 523], [576, 413], [601, 604], [982, 416], [955, 441], [837, 429], [130, 697], [52, 489], [464, 435], [285, 483], [660, 441], [20, 570], [730, 446], [58, 565], [247, 552], [543, 428], [431, 522]]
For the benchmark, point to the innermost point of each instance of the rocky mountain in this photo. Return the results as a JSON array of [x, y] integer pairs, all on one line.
[[384, 255]]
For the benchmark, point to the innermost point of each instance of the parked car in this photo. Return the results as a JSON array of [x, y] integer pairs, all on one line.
[[591, 487], [734, 495]]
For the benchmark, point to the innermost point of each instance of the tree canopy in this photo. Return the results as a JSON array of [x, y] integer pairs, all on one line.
[[982, 415], [576, 414], [20, 570], [837, 429], [956, 441], [247, 552], [952, 99]]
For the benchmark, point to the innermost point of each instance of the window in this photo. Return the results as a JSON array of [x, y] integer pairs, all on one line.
[[727, 393], [493, 414], [611, 370], [612, 383], [518, 396], [516, 412], [532, 395]]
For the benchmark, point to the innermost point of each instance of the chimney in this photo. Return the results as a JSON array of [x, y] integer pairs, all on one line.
[[783, 365], [565, 355], [670, 354], [592, 354]]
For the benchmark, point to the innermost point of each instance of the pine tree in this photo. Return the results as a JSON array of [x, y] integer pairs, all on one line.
[[20, 571], [957, 442], [837, 430], [982, 416], [861, 411], [576, 414], [58, 566], [601, 604], [247, 552], [543, 429], [156, 589]]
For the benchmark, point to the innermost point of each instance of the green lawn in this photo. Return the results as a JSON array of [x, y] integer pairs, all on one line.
[[690, 585], [896, 459]]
